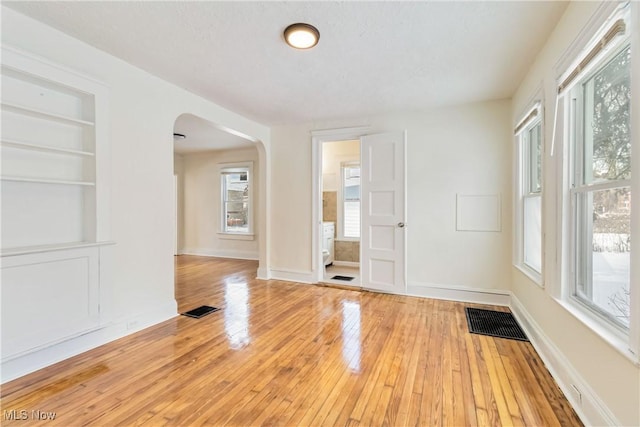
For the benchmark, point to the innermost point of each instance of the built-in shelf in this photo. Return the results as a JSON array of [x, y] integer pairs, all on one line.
[[46, 148], [47, 181], [50, 248], [33, 112]]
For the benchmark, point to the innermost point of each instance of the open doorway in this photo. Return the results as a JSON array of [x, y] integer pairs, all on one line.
[[382, 185], [341, 212], [219, 194]]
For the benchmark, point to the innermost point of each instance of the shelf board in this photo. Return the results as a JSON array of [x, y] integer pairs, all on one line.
[[41, 114], [25, 250], [47, 181], [37, 147]]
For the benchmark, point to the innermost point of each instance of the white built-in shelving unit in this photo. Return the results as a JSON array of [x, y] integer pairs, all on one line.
[[55, 203]]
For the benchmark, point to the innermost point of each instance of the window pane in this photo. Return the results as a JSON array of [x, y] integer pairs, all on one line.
[[351, 201], [535, 159], [237, 217], [352, 192], [607, 107], [352, 219], [533, 232], [606, 281], [236, 201]]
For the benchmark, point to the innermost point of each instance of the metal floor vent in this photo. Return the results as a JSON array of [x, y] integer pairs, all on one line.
[[494, 323], [345, 278], [199, 312]]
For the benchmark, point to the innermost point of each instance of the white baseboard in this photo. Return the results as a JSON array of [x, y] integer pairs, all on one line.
[[346, 264], [263, 273], [291, 275], [589, 407], [459, 293], [221, 253], [41, 358]]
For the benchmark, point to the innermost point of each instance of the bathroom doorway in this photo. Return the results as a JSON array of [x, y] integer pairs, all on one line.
[[340, 212]]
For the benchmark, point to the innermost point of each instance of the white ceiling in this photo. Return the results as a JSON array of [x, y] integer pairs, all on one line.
[[202, 135], [373, 57]]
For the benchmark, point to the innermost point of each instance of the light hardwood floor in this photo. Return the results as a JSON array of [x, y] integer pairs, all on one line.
[[282, 353]]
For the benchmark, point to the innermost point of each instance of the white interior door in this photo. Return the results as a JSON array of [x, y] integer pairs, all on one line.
[[382, 189]]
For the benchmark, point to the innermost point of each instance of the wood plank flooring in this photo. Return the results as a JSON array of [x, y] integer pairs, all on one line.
[[288, 354]]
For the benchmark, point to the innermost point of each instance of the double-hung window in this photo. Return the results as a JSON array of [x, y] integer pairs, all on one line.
[[600, 186], [351, 200], [529, 197], [236, 200]]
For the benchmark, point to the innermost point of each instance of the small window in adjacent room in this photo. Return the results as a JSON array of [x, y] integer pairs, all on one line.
[[236, 212], [351, 200], [529, 195], [600, 187]]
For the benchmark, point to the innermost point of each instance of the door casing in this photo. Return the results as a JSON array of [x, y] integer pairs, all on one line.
[[318, 137]]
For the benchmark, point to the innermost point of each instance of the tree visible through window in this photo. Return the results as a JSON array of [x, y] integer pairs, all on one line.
[[602, 189]]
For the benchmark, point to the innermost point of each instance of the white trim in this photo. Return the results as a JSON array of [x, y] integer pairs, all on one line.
[[459, 293], [263, 274], [226, 168], [346, 264], [287, 275], [604, 12], [533, 275], [317, 138], [634, 321], [221, 253], [610, 333], [576, 165], [521, 178], [341, 133], [41, 358], [235, 236], [589, 407], [51, 248]]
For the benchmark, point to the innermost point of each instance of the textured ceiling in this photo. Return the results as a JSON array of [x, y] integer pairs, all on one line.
[[373, 57]]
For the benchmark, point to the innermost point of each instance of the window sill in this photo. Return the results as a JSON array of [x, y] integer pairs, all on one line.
[[609, 334], [534, 276], [235, 236], [348, 239]]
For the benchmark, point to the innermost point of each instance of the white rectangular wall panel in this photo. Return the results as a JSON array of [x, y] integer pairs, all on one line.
[[48, 297]]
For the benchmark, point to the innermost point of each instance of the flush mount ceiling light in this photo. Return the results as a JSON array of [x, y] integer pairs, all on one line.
[[301, 36]]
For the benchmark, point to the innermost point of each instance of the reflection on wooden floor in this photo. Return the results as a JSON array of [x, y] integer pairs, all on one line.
[[281, 353]]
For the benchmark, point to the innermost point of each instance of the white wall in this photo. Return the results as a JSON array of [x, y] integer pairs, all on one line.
[[333, 154], [202, 204], [465, 149], [142, 113], [608, 380]]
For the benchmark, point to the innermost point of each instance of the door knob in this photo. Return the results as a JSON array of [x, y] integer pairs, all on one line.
[[401, 224]]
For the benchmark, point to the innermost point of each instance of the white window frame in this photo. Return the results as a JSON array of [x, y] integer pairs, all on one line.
[[523, 189], [341, 195], [626, 341], [226, 168], [576, 103]]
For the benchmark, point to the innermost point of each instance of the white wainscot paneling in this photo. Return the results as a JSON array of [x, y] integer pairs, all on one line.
[[48, 297]]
